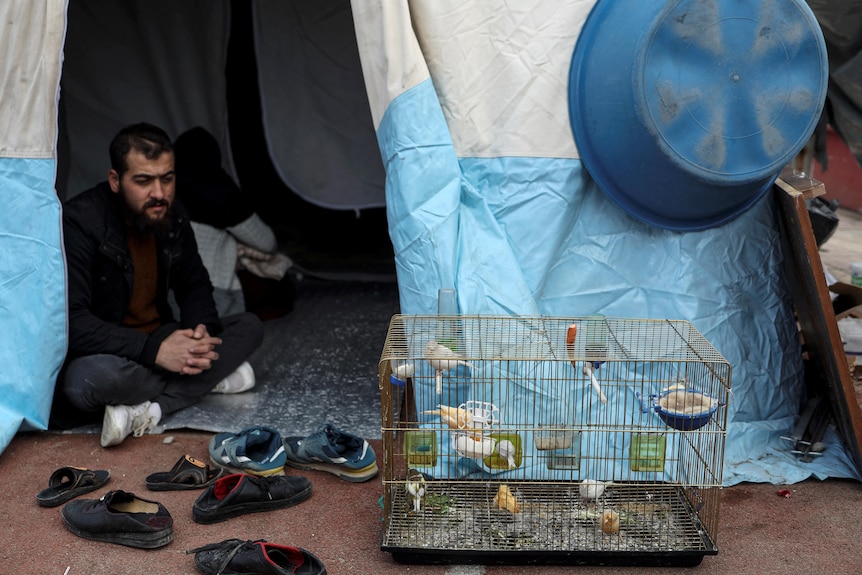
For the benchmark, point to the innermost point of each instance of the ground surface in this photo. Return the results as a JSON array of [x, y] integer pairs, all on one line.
[[814, 530]]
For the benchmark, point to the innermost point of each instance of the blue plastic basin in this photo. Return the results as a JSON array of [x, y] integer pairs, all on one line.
[[685, 112]]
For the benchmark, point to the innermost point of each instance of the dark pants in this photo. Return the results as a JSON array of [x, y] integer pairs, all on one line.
[[91, 382]]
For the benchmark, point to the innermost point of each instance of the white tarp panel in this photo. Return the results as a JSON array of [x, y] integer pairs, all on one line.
[[32, 285], [484, 192], [517, 58], [32, 55]]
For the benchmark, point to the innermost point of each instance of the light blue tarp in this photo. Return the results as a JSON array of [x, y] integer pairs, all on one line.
[[532, 234], [32, 295]]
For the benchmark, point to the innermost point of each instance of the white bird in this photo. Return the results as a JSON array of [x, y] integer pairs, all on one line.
[[506, 449], [588, 371], [592, 488], [477, 447], [402, 370], [441, 358], [415, 488]]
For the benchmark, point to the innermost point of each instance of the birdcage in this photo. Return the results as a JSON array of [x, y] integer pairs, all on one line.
[[513, 439]]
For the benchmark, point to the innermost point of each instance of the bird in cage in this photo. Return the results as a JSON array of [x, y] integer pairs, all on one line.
[[592, 489], [402, 369], [610, 522], [456, 418], [505, 499], [507, 451], [442, 359], [473, 446], [415, 488]]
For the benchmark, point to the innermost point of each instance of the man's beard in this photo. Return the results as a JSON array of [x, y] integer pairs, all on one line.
[[143, 223]]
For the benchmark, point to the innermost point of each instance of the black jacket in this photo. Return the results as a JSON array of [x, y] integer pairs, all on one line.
[[100, 276]]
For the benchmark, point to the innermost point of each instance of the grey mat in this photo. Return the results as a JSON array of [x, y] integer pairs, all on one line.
[[316, 364]]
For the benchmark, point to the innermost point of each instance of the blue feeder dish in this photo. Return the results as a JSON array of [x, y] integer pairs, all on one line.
[[683, 409]]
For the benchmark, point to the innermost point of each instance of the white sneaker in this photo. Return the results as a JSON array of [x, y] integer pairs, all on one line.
[[237, 382], [120, 421]]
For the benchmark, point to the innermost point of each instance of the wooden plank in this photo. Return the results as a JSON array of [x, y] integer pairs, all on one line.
[[816, 317], [792, 181]]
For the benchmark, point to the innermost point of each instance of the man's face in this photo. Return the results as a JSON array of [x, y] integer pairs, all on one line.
[[147, 189]]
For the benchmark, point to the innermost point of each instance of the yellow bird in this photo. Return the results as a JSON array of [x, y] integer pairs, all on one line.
[[454, 417], [505, 499], [610, 522]]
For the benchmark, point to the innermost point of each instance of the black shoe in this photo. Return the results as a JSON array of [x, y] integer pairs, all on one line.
[[122, 518], [236, 557], [241, 493]]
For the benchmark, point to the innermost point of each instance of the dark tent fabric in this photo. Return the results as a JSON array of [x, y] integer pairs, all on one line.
[[841, 22], [164, 62]]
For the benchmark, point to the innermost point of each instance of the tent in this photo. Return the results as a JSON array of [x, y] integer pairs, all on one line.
[[456, 109], [76, 71]]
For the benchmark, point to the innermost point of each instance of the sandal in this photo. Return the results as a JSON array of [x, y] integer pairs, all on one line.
[[187, 473], [69, 482]]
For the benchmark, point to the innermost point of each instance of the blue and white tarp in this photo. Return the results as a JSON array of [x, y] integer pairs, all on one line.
[[485, 193], [32, 273]]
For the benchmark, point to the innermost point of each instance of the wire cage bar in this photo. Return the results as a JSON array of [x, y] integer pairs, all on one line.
[[510, 439]]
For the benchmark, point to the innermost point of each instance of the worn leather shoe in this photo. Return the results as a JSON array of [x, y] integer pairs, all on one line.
[[240, 493], [237, 557], [120, 517]]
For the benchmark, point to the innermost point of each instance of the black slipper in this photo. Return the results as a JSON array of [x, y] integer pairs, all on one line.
[[187, 473], [69, 482]]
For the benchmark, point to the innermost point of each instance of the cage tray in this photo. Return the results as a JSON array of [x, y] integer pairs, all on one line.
[[459, 523]]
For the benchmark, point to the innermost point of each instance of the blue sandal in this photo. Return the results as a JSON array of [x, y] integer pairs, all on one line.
[[258, 450]]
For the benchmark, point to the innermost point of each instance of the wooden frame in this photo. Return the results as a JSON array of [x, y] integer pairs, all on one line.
[[814, 308]]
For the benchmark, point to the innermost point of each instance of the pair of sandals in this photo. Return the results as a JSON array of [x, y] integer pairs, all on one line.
[[69, 482]]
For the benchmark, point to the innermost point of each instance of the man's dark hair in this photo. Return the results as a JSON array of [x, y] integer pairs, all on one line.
[[147, 139]]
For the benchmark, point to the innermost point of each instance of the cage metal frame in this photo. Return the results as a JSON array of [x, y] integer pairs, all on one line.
[[665, 470]]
